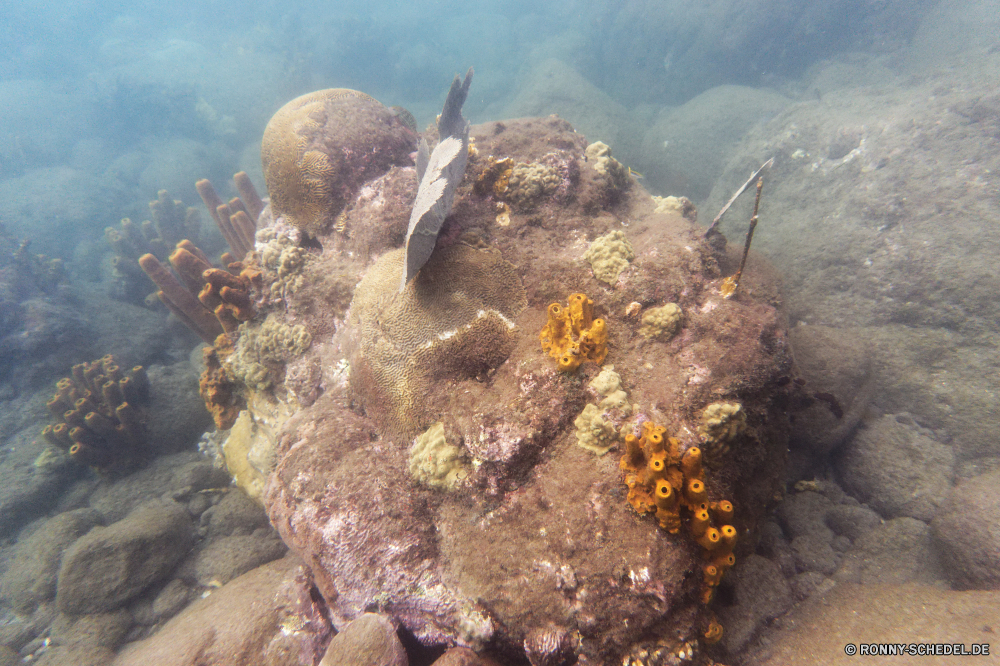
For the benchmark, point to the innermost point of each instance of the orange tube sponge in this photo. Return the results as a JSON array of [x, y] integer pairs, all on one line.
[[93, 432], [695, 492], [633, 458], [700, 522], [665, 496], [670, 520], [710, 539], [728, 536], [572, 335], [657, 465], [189, 267], [722, 511], [714, 632], [691, 463], [723, 562], [712, 575], [248, 193], [179, 300]]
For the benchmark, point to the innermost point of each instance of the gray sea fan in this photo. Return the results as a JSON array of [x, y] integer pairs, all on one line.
[[440, 173]]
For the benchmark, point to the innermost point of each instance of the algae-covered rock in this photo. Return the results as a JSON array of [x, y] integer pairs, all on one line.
[[897, 468], [966, 535], [110, 565]]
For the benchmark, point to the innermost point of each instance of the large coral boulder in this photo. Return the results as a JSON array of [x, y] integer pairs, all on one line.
[[321, 147], [430, 468]]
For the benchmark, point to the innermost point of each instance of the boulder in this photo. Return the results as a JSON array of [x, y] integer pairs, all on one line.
[[110, 565]]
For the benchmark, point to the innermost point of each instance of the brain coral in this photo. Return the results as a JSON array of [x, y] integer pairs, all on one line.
[[321, 147], [456, 316]]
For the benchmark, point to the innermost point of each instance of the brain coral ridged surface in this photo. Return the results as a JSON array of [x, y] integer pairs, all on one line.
[[320, 147], [456, 318], [535, 538]]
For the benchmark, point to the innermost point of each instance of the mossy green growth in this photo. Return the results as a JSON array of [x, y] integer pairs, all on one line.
[[436, 463], [609, 255], [528, 183], [661, 323], [593, 432]]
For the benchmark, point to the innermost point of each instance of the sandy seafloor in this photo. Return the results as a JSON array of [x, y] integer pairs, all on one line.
[[881, 213]]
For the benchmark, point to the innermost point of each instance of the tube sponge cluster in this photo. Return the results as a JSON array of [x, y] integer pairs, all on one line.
[[670, 484], [100, 421], [573, 336]]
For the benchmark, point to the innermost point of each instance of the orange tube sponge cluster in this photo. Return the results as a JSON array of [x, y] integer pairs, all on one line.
[[101, 422], [670, 484], [236, 220], [572, 334], [208, 300]]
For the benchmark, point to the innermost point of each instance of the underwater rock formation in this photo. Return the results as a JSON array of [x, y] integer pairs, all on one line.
[[424, 461]]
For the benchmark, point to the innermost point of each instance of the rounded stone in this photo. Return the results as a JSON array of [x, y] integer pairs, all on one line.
[[369, 640], [966, 533]]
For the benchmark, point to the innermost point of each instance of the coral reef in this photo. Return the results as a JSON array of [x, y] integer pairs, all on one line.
[[661, 323], [593, 432], [270, 344], [436, 463], [218, 387], [101, 419], [572, 334], [28, 282], [171, 222], [609, 255], [439, 172], [672, 204], [320, 147]]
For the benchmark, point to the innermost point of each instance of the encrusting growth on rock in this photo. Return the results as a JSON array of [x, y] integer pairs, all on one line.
[[573, 336], [100, 421], [218, 387]]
